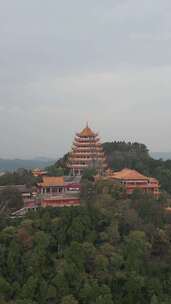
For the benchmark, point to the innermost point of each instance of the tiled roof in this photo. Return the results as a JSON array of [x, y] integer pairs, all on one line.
[[52, 181], [87, 132], [129, 174]]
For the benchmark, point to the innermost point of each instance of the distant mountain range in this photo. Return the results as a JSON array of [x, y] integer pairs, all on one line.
[[162, 155], [14, 164]]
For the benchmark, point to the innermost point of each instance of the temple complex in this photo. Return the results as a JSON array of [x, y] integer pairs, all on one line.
[[132, 180], [87, 152]]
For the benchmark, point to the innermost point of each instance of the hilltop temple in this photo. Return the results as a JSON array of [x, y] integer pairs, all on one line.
[[87, 152]]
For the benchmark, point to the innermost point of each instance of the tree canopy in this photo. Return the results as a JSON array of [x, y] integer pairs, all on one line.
[[109, 250]]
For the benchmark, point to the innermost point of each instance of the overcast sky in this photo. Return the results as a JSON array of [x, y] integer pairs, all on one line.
[[65, 62]]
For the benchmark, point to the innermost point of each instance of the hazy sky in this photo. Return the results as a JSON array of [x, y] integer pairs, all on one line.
[[65, 62]]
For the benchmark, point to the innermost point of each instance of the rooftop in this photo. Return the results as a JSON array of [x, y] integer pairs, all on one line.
[[129, 174], [52, 181], [87, 132]]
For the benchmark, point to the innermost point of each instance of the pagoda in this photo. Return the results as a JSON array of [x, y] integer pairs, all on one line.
[[87, 152]]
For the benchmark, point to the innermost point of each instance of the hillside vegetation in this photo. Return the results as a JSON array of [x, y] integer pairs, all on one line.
[[108, 251]]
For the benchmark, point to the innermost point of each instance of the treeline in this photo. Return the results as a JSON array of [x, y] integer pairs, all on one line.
[[108, 251], [10, 201], [123, 146], [19, 177], [126, 155]]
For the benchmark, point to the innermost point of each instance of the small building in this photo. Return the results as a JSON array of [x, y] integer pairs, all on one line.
[[51, 186], [132, 180], [58, 192], [38, 172]]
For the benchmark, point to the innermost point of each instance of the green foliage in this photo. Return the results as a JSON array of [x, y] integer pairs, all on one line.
[[5, 288], [55, 171], [108, 251], [69, 300], [111, 250], [20, 177], [10, 200], [89, 174], [62, 163], [51, 293], [154, 300], [126, 155]]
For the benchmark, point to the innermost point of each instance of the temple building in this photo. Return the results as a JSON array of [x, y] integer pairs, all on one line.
[[132, 179], [58, 185], [51, 185], [87, 152], [54, 191], [39, 172]]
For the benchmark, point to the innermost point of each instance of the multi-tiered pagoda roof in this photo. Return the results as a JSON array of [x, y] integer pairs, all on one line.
[[87, 152]]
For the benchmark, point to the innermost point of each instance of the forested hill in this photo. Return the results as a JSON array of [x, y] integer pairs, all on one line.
[[108, 251], [126, 155]]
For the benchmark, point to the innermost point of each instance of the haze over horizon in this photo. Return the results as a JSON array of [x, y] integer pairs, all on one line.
[[64, 63]]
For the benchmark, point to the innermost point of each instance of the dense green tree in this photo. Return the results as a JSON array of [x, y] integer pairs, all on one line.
[[110, 250], [29, 288], [154, 300], [55, 171], [89, 174], [20, 177], [10, 200], [51, 293], [5, 288], [136, 250], [105, 296], [69, 300]]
